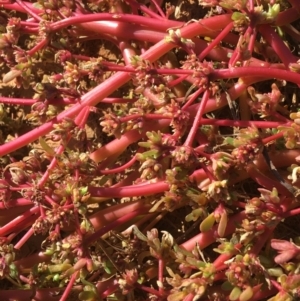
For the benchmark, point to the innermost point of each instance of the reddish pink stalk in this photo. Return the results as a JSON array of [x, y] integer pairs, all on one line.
[[118, 145], [244, 123], [197, 119], [216, 41], [277, 44], [265, 181], [129, 191], [24, 239], [161, 25], [52, 164], [27, 9], [161, 270], [121, 168], [193, 98], [38, 47], [15, 203], [255, 71], [68, 289], [9, 226], [118, 222]]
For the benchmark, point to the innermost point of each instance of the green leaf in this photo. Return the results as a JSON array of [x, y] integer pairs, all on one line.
[[229, 141], [235, 294], [207, 223], [236, 16], [49, 150], [13, 271]]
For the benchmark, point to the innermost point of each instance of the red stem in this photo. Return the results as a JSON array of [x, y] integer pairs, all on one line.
[[190, 138], [192, 98], [68, 289], [121, 168], [129, 191], [276, 42], [265, 181], [118, 222], [244, 123], [15, 222], [14, 203], [28, 10], [161, 268], [216, 41], [38, 47], [120, 144], [24, 239], [265, 73], [52, 164], [161, 24]]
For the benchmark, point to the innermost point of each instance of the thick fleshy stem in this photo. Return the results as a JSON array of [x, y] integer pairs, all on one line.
[[197, 120], [120, 221], [28, 10], [265, 73], [216, 41], [38, 47], [244, 123], [161, 25], [161, 267], [138, 6], [265, 181], [82, 117], [193, 98], [30, 102], [4, 230], [121, 168], [118, 145], [68, 289], [277, 44], [15, 203], [52, 164], [157, 7]]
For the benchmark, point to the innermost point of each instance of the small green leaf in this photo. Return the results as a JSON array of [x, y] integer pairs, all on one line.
[[56, 268], [194, 215], [45, 146], [229, 141], [207, 223], [236, 16], [235, 294], [13, 271]]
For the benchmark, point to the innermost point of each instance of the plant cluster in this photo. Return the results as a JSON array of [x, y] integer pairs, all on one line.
[[117, 115]]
